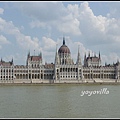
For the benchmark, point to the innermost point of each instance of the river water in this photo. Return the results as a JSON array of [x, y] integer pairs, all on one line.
[[59, 101]]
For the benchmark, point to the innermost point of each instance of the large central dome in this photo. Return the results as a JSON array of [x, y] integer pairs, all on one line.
[[64, 48]]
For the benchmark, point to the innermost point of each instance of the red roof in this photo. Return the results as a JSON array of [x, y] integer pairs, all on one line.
[[35, 58], [93, 59], [3, 63], [47, 65]]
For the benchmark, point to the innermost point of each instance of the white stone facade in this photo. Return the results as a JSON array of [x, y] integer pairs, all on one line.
[[64, 70]]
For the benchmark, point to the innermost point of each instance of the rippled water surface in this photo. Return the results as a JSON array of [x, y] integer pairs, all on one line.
[[59, 101]]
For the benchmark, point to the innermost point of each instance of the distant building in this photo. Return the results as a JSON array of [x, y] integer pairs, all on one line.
[[63, 70], [6, 70]]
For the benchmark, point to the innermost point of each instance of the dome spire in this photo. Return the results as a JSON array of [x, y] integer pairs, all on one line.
[[63, 48], [63, 40]]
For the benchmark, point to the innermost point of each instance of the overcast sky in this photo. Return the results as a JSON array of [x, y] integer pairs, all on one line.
[[39, 26]]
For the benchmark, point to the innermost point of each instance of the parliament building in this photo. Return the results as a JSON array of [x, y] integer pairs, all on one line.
[[63, 70]]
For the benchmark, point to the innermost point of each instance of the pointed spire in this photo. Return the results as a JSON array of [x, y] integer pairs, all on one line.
[[89, 54], [118, 61], [1, 60], [78, 57], [29, 53], [41, 54], [56, 51], [12, 60], [95, 54], [85, 57], [105, 63], [63, 40], [56, 56], [56, 47], [99, 55], [34, 52]]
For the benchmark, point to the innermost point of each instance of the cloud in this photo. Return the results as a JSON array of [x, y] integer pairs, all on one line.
[[99, 33], [8, 27], [48, 44], [44, 11], [114, 8], [1, 10], [3, 40], [51, 14], [25, 41], [38, 24], [70, 26], [110, 58], [76, 21]]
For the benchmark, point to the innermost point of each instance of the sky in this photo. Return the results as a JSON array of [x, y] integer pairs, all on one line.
[[40, 27]]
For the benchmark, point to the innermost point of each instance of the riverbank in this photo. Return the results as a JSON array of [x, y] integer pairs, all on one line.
[[54, 84], [61, 82]]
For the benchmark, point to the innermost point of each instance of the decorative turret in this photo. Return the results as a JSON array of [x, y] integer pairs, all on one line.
[[93, 60], [35, 60]]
